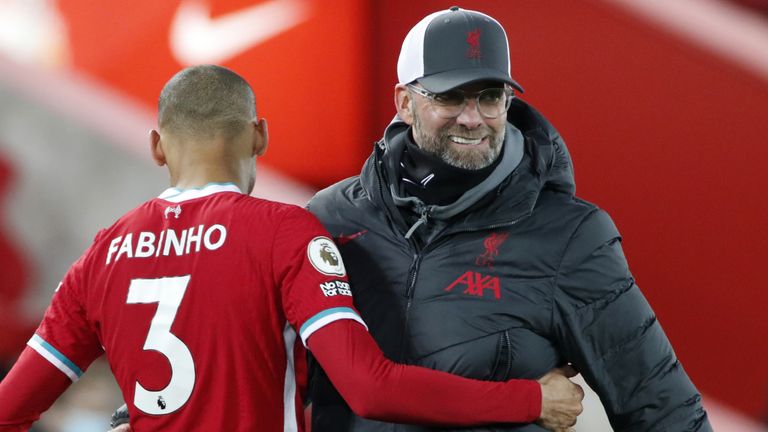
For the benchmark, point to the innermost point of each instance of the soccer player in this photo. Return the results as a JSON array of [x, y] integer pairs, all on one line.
[[200, 297]]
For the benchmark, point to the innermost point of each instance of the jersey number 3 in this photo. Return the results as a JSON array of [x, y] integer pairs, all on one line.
[[167, 293]]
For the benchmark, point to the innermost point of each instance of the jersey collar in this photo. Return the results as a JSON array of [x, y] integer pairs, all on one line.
[[178, 195]]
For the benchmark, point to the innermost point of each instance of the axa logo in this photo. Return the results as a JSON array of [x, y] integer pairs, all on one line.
[[473, 39], [175, 210], [477, 284], [491, 245]]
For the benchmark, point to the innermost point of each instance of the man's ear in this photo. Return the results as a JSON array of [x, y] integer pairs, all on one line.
[[403, 102], [260, 137], [158, 155]]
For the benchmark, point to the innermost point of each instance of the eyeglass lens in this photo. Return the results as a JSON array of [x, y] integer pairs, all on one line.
[[491, 102]]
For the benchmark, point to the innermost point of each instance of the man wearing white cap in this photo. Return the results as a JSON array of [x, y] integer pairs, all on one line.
[[468, 252]]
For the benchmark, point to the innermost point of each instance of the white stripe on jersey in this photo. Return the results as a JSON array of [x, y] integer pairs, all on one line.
[[289, 389], [326, 317], [56, 358], [176, 195]]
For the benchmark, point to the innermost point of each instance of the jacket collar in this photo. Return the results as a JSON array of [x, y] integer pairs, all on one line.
[[177, 195], [511, 155]]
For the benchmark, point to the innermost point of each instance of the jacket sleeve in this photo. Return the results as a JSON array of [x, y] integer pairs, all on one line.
[[606, 328]]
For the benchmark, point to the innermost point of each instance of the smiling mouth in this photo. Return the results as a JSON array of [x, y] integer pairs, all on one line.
[[466, 141]]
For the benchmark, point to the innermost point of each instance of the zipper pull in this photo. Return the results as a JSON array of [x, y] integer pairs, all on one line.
[[422, 220]]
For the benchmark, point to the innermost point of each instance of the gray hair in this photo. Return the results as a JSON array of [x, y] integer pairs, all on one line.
[[206, 101]]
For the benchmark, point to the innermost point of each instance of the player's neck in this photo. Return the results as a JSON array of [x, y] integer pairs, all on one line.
[[196, 164]]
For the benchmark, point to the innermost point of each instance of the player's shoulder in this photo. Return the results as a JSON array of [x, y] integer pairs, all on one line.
[[151, 210], [277, 214], [105, 235], [275, 208], [141, 211]]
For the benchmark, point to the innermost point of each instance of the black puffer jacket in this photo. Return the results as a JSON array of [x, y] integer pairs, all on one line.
[[516, 277]]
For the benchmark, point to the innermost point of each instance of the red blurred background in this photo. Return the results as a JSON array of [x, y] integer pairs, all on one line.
[[666, 134]]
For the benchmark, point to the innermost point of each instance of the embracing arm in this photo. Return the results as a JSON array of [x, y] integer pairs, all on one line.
[[375, 387]]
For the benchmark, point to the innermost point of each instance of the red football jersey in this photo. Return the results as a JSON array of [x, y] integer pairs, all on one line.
[[197, 297]]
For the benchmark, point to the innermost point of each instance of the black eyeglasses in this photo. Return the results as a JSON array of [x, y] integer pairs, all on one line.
[[491, 102]]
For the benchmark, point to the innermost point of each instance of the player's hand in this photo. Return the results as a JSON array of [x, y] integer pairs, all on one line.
[[120, 419], [560, 400]]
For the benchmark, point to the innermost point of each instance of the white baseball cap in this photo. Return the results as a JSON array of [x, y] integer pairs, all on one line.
[[454, 47]]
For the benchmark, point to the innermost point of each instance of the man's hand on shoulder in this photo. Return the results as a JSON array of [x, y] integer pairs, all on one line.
[[560, 400]]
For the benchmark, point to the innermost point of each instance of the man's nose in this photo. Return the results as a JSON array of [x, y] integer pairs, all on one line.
[[470, 116]]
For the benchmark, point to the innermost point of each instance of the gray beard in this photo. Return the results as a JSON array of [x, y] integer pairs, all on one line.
[[440, 145]]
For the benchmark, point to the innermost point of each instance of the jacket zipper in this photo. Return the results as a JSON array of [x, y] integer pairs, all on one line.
[[503, 358], [412, 273], [409, 289]]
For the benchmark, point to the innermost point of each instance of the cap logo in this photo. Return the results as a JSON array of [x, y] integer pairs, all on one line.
[[473, 39]]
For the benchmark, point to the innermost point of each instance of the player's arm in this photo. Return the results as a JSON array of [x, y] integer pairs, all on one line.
[[377, 388], [29, 389]]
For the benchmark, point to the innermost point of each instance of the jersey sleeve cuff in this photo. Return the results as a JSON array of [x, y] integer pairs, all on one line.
[[55, 357], [326, 317], [534, 398]]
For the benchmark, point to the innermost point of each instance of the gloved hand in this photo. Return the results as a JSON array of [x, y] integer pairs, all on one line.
[[119, 417]]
